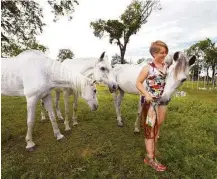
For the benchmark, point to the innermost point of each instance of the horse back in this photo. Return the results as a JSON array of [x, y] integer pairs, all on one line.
[[126, 76]]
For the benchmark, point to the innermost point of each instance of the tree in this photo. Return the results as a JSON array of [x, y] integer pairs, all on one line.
[[21, 21], [206, 51], [64, 54], [12, 49], [140, 60], [63, 8], [143, 60], [131, 21], [116, 59], [210, 50], [195, 70]]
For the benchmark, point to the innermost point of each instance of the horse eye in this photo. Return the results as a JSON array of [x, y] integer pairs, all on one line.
[[102, 68], [94, 91]]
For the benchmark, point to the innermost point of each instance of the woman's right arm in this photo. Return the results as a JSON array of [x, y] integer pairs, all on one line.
[[139, 83]]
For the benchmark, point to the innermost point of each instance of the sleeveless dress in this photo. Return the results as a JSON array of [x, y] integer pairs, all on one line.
[[154, 84]]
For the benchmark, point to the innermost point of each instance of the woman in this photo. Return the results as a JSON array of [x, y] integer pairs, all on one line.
[[153, 74]]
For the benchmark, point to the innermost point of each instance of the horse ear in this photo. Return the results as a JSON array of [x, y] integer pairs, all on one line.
[[102, 56], [176, 56], [192, 60]]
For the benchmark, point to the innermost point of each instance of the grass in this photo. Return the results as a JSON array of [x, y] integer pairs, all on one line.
[[97, 148]]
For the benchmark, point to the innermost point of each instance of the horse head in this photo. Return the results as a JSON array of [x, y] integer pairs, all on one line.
[[104, 73], [89, 94], [177, 73]]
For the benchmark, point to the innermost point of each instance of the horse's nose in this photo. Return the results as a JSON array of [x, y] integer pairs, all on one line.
[[183, 80], [114, 87], [95, 107], [165, 100]]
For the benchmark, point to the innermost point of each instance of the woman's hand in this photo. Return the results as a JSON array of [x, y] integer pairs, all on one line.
[[148, 98]]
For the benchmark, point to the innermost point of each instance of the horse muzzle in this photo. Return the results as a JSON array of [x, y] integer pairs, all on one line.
[[113, 88], [164, 101], [94, 107]]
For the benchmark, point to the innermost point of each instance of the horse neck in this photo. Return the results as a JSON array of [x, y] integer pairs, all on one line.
[[64, 77], [88, 67]]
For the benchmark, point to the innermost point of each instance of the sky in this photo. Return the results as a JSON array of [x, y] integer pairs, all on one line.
[[179, 24]]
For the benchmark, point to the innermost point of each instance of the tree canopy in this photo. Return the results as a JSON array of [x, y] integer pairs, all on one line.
[[21, 21], [13, 49], [206, 52], [64, 54], [130, 22]]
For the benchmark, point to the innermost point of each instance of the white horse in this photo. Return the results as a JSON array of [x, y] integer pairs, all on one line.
[[33, 75], [177, 74], [99, 69]]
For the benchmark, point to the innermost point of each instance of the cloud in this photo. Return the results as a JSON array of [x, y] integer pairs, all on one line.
[[179, 24]]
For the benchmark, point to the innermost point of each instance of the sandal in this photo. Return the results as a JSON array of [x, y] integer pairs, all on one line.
[[155, 164]]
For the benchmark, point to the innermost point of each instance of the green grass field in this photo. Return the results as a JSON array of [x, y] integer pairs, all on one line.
[[97, 148]]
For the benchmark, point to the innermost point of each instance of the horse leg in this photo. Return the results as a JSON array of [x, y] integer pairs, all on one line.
[[59, 115], [31, 106], [66, 102], [117, 102], [48, 105], [74, 109], [139, 117], [43, 118]]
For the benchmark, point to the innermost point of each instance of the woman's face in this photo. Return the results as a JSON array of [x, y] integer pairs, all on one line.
[[160, 56]]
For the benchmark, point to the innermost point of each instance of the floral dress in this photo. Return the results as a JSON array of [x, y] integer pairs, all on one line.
[[154, 84]]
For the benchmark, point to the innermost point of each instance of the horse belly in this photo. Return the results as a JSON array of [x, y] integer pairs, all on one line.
[[11, 86], [12, 89], [6, 92], [128, 84], [129, 88]]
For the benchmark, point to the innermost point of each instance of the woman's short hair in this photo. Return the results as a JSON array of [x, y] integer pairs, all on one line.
[[155, 47]]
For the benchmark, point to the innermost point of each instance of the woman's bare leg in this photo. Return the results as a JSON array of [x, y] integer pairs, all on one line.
[[151, 139], [162, 110]]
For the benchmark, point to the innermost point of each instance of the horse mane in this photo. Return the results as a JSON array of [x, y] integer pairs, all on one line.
[[95, 60], [64, 77], [181, 64]]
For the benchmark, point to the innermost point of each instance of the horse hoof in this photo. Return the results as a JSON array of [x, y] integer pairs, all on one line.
[[68, 131], [136, 131], [67, 128], [120, 124], [61, 120], [61, 138], [43, 120], [75, 123], [30, 149]]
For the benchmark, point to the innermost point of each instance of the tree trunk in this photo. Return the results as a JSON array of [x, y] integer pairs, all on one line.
[[213, 76], [122, 57], [123, 50], [207, 76], [198, 79], [192, 82]]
